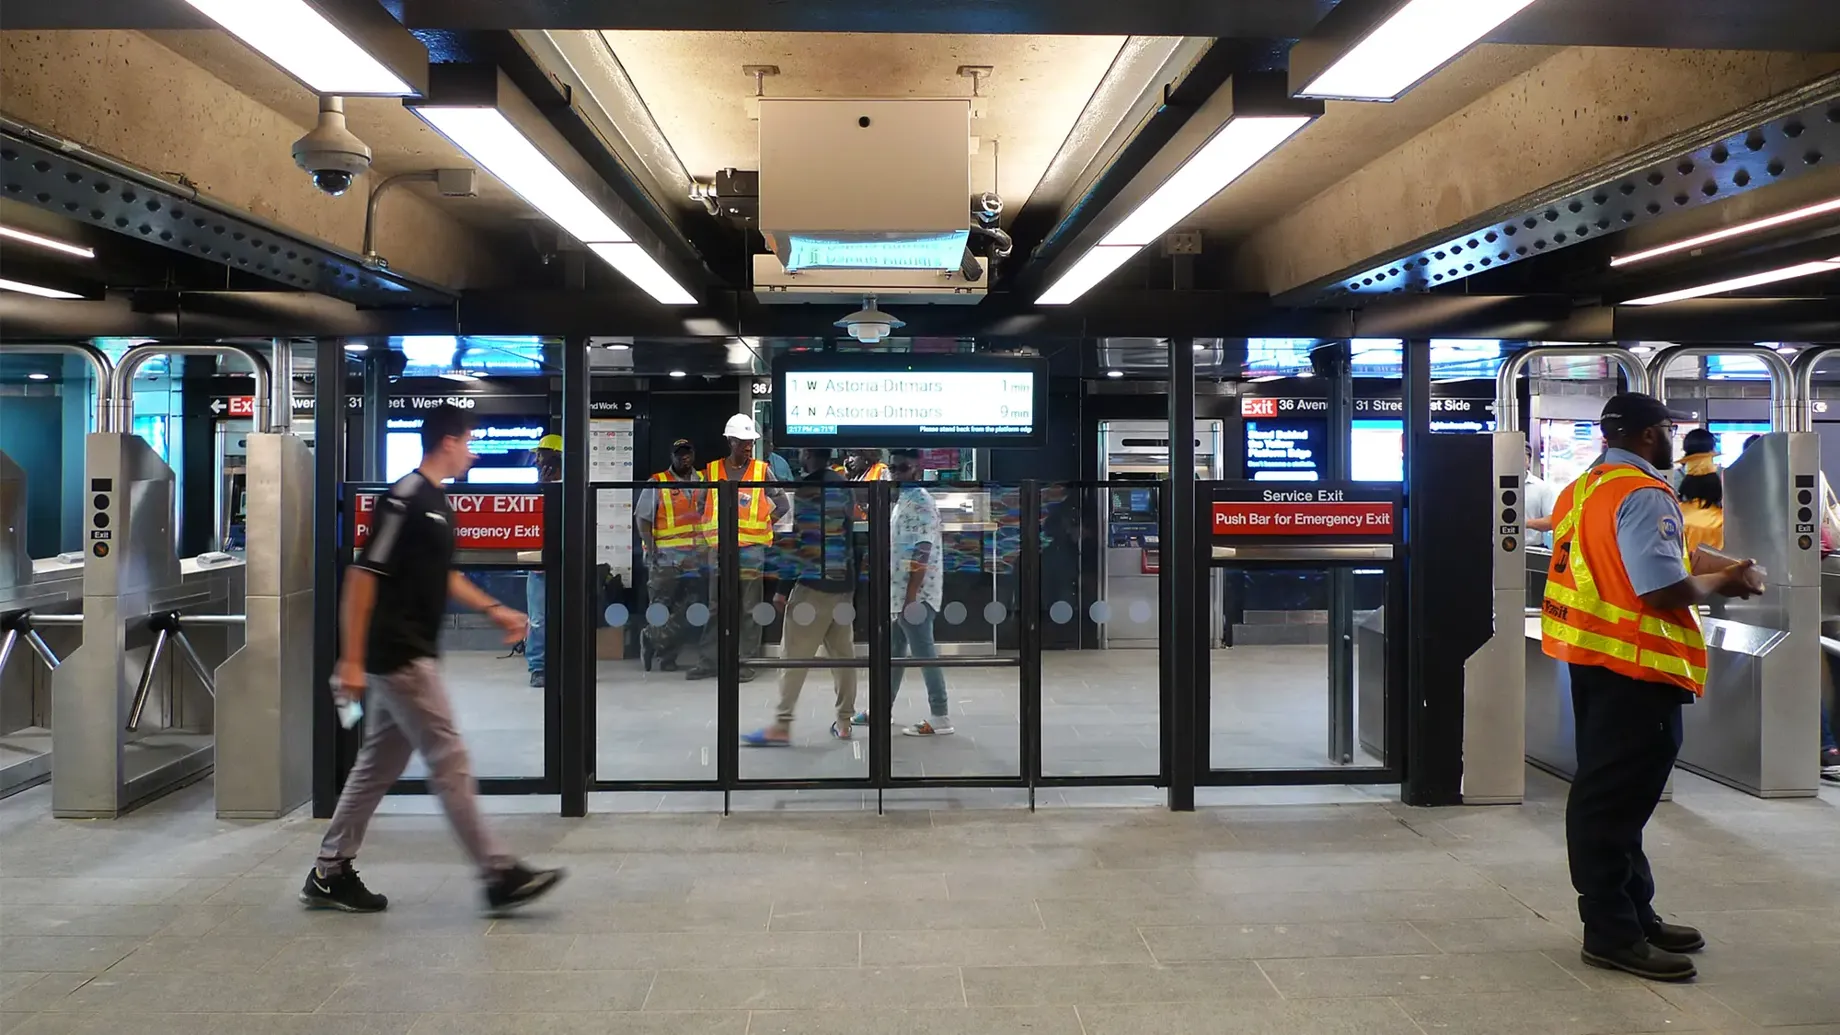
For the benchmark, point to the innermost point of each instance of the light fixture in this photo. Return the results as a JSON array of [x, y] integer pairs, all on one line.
[[459, 375], [1249, 116], [479, 110], [1804, 269], [343, 47], [38, 376], [1114, 373], [1755, 225], [47, 242], [1787, 350], [34, 289], [636, 265], [356, 346], [1376, 50], [1641, 350], [619, 346], [677, 373]]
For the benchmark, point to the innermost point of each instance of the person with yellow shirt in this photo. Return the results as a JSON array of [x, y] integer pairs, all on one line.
[[1702, 492], [758, 509], [1620, 610], [670, 518]]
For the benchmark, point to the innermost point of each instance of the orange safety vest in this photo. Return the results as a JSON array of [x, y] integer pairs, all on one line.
[[1592, 615], [755, 527], [678, 519], [877, 472]]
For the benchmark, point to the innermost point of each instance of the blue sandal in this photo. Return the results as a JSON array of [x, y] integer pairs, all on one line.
[[760, 739]]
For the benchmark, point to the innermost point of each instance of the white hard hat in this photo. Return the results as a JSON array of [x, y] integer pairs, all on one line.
[[741, 426]]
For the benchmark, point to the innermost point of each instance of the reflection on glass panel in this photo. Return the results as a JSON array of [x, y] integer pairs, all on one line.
[[802, 550], [954, 591], [655, 698], [1100, 562], [1270, 690]]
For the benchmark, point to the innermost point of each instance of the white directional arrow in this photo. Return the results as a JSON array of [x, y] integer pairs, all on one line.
[[219, 405]]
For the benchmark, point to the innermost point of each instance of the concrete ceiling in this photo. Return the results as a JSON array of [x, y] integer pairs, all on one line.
[[1349, 136], [693, 84]]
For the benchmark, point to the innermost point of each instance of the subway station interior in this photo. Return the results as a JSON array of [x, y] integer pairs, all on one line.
[[1223, 361]]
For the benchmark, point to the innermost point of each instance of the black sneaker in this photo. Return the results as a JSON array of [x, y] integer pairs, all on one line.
[[519, 885], [341, 890], [1675, 937], [1645, 961]]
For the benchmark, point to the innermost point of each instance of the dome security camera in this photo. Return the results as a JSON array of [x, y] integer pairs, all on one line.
[[331, 154]]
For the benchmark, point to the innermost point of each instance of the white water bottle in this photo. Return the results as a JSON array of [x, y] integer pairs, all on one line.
[[350, 709]]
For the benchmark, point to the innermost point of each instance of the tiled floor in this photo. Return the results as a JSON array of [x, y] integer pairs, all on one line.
[[1340, 912]]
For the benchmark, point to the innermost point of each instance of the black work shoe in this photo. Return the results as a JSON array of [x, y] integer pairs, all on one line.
[[518, 885], [341, 890], [1644, 960], [1675, 937]]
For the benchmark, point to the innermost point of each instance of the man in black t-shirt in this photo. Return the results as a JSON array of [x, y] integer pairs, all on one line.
[[390, 626]]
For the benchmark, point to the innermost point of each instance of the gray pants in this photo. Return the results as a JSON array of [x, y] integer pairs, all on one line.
[[405, 712], [802, 639]]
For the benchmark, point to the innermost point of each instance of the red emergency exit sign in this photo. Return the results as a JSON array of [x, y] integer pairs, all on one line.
[[482, 520], [1302, 513], [242, 406], [1253, 406]]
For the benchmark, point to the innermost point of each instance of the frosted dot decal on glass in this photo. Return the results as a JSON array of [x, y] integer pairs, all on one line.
[[1101, 611], [763, 613], [843, 614], [804, 613], [914, 613], [995, 612], [617, 615], [697, 615], [1140, 611], [1061, 612], [657, 614], [955, 613]]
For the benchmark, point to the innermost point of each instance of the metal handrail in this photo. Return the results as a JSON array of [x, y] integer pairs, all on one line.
[[123, 382], [99, 366], [1782, 379], [1507, 402], [1805, 362]]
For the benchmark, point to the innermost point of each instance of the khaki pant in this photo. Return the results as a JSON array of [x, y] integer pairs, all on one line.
[[801, 640]]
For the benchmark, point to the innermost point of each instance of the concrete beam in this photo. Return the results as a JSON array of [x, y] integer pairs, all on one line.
[[132, 97], [1577, 112]]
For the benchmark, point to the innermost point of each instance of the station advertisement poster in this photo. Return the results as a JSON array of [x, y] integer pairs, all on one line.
[[1341, 512], [482, 520]]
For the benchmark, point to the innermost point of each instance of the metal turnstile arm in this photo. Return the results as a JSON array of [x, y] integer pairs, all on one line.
[[18, 626], [145, 686], [170, 628]]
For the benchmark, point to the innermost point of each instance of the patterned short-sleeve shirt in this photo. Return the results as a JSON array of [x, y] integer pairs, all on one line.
[[916, 520]]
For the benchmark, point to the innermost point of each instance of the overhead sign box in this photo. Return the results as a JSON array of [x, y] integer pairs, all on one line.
[[1331, 512], [914, 401]]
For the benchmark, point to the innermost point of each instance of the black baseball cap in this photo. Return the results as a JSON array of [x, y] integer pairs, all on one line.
[[1633, 412], [682, 445]]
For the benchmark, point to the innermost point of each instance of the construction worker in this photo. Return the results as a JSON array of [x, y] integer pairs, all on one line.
[[865, 465], [758, 510], [1620, 610], [671, 520], [547, 459]]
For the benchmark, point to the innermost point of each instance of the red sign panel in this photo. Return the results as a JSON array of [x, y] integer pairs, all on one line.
[[242, 406], [1304, 517], [482, 520], [1252, 406]]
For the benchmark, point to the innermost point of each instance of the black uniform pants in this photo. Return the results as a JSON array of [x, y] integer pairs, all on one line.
[[1628, 735]]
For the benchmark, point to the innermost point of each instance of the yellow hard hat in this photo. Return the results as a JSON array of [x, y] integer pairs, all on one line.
[[550, 442]]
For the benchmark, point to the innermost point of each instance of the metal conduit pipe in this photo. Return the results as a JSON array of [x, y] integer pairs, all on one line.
[[132, 360], [1782, 379], [281, 408], [1507, 403], [100, 368], [1804, 383]]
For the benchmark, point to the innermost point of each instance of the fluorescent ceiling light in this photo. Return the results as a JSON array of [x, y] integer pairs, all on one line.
[[1097, 264], [1114, 373], [311, 49], [38, 376], [48, 242], [1237, 147], [619, 346], [356, 346], [1407, 47], [1806, 269], [677, 373], [34, 289], [638, 266], [1755, 225], [490, 139]]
